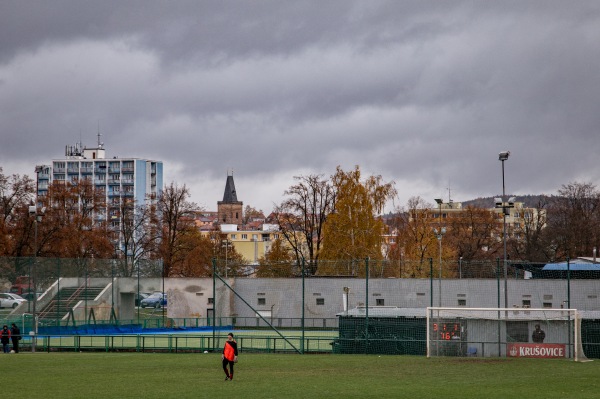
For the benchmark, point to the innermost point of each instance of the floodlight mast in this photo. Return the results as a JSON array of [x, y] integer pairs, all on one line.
[[503, 156], [439, 234]]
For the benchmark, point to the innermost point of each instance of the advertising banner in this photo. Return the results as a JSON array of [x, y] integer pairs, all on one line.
[[535, 350]]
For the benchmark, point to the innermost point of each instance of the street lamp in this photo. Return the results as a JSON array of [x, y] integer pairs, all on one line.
[[37, 217], [503, 156], [439, 234]]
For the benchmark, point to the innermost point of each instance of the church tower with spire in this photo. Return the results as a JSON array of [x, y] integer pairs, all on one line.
[[230, 209]]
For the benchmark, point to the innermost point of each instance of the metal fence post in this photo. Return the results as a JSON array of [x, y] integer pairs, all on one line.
[[431, 282], [303, 306], [498, 291], [214, 262], [568, 283], [367, 305]]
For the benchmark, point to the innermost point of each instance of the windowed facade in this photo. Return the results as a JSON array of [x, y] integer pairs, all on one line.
[[113, 178]]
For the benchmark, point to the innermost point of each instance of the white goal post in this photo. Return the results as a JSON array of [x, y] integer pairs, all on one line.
[[504, 332]]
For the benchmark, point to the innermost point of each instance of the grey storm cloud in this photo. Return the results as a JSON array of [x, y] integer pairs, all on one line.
[[425, 93]]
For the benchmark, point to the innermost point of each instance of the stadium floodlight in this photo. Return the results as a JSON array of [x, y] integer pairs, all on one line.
[[439, 234], [503, 156]]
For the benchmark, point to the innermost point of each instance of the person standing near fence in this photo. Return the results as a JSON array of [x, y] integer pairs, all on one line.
[[5, 339], [538, 335], [229, 356], [15, 336]]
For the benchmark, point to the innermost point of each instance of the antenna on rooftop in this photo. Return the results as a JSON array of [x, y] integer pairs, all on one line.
[[100, 144]]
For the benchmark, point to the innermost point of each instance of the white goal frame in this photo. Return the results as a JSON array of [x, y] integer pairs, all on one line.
[[461, 331]]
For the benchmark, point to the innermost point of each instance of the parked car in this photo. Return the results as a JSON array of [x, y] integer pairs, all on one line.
[[8, 300], [140, 297], [155, 300]]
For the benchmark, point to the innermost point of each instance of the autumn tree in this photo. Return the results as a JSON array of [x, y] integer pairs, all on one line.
[[199, 255], [277, 262], [533, 243], [230, 263], [16, 194], [353, 230], [74, 223], [251, 213], [136, 232], [176, 223], [473, 234], [415, 241], [301, 217], [574, 220]]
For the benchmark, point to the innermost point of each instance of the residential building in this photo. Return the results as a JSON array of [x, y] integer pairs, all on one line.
[[252, 240], [518, 216], [135, 180]]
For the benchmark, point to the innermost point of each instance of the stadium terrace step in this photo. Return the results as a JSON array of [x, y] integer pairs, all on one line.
[[66, 299]]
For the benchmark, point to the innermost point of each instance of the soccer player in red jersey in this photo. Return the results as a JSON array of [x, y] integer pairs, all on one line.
[[229, 356]]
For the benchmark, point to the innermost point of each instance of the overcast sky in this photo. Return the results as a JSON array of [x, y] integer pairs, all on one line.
[[424, 93]]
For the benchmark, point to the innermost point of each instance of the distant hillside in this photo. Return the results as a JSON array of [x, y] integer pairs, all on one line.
[[529, 200]]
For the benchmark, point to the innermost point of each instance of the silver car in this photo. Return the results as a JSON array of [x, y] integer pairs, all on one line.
[[8, 300]]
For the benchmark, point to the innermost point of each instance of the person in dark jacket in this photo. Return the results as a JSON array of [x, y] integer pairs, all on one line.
[[15, 336], [538, 335], [5, 338], [229, 356]]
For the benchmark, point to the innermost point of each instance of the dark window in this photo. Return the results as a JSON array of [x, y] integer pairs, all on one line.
[[380, 302], [211, 301], [548, 305], [462, 302], [262, 301], [526, 303], [517, 331], [320, 301]]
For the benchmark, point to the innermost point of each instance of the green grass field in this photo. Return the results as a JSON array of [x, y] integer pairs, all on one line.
[[152, 375]]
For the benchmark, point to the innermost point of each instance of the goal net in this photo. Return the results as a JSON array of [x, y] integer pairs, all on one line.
[[504, 332]]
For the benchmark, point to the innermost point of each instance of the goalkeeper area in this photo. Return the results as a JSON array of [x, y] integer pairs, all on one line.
[[504, 332]]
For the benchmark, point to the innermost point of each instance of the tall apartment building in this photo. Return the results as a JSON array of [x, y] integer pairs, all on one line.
[[140, 180]]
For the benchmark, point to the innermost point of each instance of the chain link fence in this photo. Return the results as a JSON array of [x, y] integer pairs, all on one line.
[[354, 306]]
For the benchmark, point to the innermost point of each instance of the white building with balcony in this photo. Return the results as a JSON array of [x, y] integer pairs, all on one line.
[[121, 179]]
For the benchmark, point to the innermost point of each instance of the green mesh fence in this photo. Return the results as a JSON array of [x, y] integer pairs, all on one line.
[[64, 292], [355, 306]]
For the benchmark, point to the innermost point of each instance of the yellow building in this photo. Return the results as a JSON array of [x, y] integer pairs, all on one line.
[[252, 241], [251, 244]]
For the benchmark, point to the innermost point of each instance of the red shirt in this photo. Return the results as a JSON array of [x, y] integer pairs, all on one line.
[[230, 350]]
